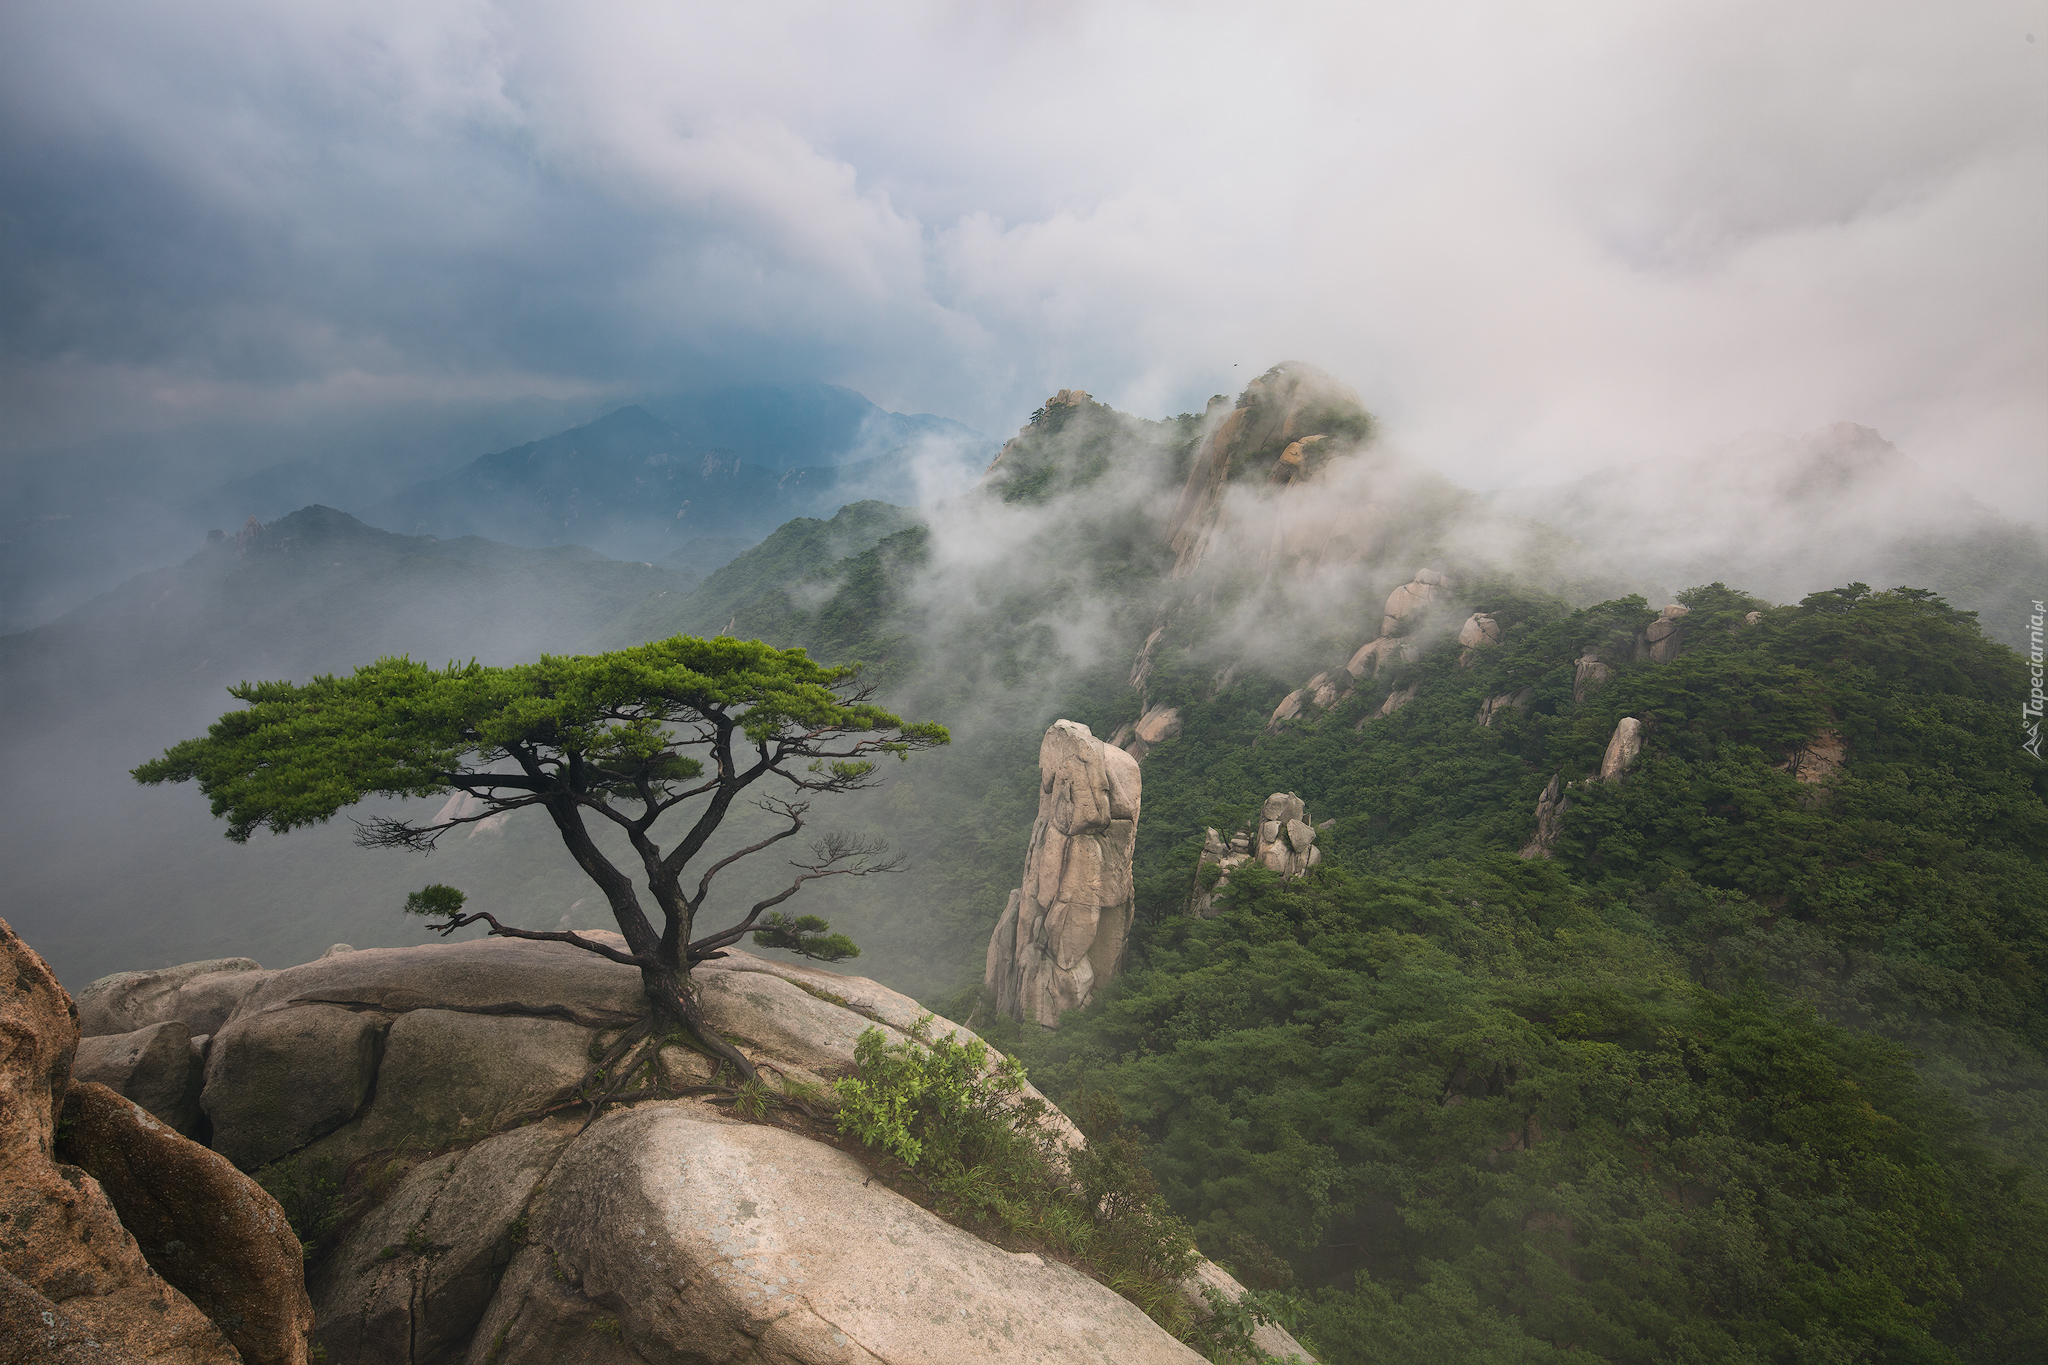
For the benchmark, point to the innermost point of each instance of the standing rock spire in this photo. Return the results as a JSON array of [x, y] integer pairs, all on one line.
[[1062, 937]]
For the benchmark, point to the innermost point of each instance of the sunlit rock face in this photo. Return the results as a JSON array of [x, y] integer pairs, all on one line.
[[1062, 936]]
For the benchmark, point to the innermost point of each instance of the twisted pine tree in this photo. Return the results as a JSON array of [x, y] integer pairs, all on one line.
[[679, 727]]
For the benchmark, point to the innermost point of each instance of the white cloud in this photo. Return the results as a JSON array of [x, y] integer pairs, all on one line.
[[1537, 238]]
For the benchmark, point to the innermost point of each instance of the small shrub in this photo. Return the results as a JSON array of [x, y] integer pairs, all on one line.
[[962, 1129], [309, 1195]]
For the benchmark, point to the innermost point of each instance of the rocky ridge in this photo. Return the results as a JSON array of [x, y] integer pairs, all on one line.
[[507, 1227]]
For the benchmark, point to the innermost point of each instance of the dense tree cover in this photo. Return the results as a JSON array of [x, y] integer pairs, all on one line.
[[1751, 1071], [1488, 1107]]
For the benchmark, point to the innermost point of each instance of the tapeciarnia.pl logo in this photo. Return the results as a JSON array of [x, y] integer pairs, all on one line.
[[2031, 712]]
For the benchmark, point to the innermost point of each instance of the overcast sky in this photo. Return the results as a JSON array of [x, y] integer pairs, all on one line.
[[1536, 238]]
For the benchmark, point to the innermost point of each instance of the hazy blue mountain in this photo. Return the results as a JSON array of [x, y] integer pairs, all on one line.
[[318, 591], [635, 486], [791, 426], [79, 521]]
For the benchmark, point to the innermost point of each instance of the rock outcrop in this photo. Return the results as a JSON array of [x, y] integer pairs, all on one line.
[[200, 995], [214, 1234], [73, 1283], [1517, 700], [1282, 839], [1589, 675], [1817, 759], [667, 1229], [1623, 746], [158, 1067], [1480, 631], [1062, 936], [1400, 618], [1664, 637], [1550, 808], [1285, 427], [750, 1243], [1157, 725], [415, 1276], [1396, 699]]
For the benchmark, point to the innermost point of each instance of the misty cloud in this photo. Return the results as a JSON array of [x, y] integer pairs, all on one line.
[[1538, 242]]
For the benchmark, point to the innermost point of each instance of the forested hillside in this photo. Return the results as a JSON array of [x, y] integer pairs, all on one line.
[[1749, 1067]]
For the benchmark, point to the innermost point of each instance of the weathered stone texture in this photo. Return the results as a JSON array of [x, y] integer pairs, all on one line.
[[63, 1251], [209, 1230], [1062, 936]]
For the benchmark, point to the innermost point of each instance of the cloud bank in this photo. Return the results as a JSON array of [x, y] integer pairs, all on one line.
[[1537, 240]]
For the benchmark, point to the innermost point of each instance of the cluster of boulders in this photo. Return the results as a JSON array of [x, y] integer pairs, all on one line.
[[1398, 641], [120, 1239], [1062, 936], [441, 1086], [1282, 839]]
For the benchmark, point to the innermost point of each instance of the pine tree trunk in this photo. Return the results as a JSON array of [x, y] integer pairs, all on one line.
[[668, 991]]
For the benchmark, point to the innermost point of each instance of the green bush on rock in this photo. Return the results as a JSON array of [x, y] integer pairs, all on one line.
[[987, 1160]]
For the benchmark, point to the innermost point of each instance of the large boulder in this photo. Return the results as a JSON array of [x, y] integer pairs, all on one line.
[[277, 1079], [1406, 604], [747, 1242], [212, 1232], [413, 1278], [1664, 637], [73, 1283], [157, 1067], [1623, 747], [482, 1246], [1062, 936], [481, 976], [445, 1076], [1480, 632], [200, 995], [1157, 725], [383, 1048]]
